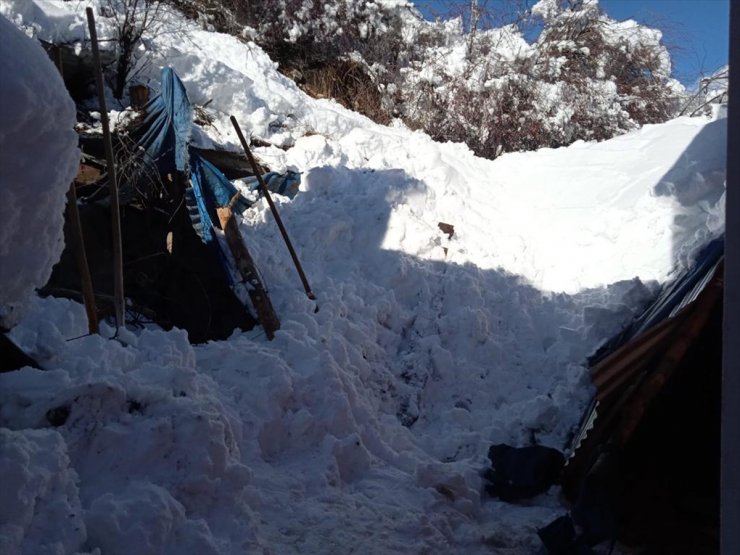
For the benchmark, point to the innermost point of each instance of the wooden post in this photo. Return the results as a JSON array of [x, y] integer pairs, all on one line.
[[118, 300], [273, 209], [78, 245]]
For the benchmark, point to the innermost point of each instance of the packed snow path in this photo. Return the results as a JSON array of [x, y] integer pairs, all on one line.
[[363, 427]]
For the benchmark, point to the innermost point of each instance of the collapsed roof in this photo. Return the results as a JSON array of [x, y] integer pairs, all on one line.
[[647, 452], [182, 266]]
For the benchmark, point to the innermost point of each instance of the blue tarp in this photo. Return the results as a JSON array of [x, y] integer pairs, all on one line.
[[166, 136], [167, 125], [209, 190], [285, 184]]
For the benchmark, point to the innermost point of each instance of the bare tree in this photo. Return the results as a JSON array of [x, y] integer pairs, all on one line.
[[133, 19], [711, 90]]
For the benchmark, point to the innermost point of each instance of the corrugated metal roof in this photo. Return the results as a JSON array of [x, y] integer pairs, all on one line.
[[671, 300], [637, 363]]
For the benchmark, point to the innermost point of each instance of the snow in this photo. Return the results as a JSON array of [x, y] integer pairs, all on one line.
[[37, 117], [546, 9], [35, 466], [364, 425]]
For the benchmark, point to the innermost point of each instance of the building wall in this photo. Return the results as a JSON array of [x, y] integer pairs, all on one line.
[[730, 453]]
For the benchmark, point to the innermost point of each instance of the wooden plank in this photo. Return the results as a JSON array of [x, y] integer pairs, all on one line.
[[245, 264], [78, 246]]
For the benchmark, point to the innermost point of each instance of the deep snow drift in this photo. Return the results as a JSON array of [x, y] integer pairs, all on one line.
[[37, 117], [362, 427]]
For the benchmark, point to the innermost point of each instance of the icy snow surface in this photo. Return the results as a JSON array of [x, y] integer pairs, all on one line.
[[37, 116], [363, 427]]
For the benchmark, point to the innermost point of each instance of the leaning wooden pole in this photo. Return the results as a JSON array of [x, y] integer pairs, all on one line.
[[78, 244], [273, 208], [118, 300], [73, 219]]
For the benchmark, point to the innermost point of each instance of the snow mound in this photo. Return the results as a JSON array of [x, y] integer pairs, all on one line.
[[38, 160], [154, 453], [41, 511]]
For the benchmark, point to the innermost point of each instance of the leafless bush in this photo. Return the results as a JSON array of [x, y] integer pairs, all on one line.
[[711, 90], [346, 81], [132, 19], [585, 77], [596, 48]]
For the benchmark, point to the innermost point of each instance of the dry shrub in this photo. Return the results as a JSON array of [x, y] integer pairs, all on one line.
[[586, 77], [213, 15], [346, 81], [504, 119]]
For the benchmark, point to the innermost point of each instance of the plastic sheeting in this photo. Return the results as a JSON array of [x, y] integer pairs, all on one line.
[[165, 136], [209, 190], [167, 125]]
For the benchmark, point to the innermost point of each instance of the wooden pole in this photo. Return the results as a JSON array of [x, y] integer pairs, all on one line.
[[78, 246], [273, 209], [118, 300]]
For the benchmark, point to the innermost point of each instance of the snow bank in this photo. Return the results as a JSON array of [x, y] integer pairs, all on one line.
[[38, 160], [49, 20], [154, 452]]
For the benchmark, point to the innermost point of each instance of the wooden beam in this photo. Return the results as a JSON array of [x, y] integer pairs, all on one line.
[[78, 246], [245, 264]]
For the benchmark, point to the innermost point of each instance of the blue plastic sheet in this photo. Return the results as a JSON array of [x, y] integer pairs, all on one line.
[[285, 184], [210, 189], [167, 125], [165, 136]]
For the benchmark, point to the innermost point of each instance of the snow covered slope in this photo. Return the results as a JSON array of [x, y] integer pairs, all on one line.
[[363, 426]]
